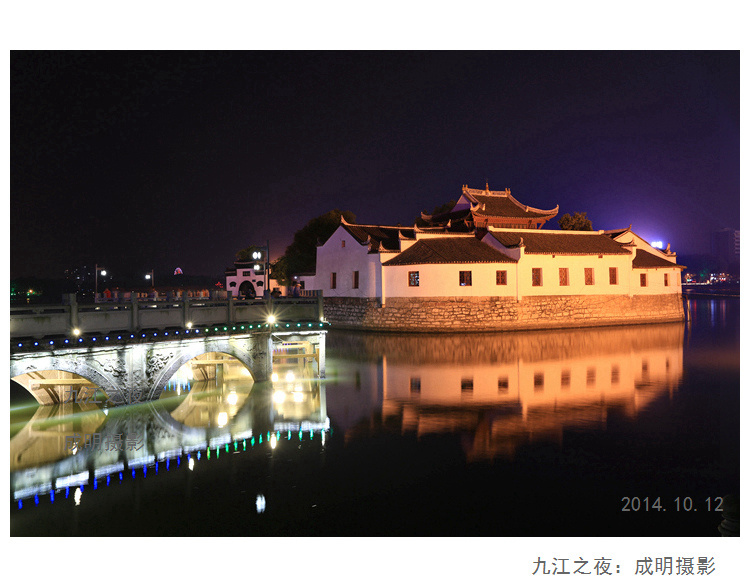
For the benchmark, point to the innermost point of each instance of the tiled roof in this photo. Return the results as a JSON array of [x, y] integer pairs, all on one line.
[[644, 260], [387, 235], [449, 250], [563, 242], [506, 207]]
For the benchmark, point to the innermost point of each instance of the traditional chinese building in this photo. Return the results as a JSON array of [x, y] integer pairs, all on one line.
[[485, 208], [478, 270]]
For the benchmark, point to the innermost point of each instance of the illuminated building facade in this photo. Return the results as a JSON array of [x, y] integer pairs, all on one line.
[[484, 272]]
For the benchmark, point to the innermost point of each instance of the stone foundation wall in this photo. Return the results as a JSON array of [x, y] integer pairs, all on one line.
[[451, 314]]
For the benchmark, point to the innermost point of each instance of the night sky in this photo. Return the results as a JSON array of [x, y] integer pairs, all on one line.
[[141, 160]]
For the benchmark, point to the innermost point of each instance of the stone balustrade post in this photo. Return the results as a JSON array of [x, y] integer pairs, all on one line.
[[70, 299], [230, 308], [134, 322]]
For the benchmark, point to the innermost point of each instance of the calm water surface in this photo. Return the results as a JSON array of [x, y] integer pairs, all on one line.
[[522, 434]]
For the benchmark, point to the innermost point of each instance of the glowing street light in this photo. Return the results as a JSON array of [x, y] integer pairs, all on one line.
[[151, 277], [97, 269]]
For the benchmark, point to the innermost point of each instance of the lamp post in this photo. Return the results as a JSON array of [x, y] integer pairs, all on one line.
[[96, 280]]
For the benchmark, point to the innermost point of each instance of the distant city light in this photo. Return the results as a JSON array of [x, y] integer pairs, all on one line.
[[657, 244]]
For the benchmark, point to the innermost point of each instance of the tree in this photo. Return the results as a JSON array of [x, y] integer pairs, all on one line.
[[576, 222], [300, 256]]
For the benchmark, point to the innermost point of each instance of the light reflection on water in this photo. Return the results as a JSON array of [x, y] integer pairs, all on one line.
[[494, 396], [504, 390]]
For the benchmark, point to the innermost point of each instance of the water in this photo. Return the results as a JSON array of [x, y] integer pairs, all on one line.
[[523, 434]]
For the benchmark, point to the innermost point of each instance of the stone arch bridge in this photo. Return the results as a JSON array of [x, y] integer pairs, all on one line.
[[140, 361]]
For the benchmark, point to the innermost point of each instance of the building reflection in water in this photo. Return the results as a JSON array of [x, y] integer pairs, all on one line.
[[504, 390]]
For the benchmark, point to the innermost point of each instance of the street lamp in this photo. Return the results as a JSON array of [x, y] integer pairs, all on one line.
[[151, 277], [96, 280]]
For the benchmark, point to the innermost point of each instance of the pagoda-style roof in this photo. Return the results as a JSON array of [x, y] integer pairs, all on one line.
[[379, 238], [502, 204], [561, 242], [490, 207], [449, 250]]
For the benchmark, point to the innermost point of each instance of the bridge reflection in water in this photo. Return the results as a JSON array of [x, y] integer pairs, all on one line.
[[498, 392]]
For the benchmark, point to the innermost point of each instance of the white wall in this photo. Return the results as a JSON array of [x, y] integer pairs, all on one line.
[[344, 261], [443, 280], [551, 264]]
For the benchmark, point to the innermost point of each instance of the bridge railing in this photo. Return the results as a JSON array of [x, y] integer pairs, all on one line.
[[107, 317]]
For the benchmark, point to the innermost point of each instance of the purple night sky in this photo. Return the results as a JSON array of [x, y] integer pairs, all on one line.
[[141, 160]]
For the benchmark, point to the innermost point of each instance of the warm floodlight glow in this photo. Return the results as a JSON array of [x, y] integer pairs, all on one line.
[[290, 376], [274, 377], [657, 244], [147, 276], [273, 442], [232, 398], [279, 397], [77, 495], [189, 325], [271, 319], [298, 396], [104, 272], [222, 419], [191, 463], [76, 332]]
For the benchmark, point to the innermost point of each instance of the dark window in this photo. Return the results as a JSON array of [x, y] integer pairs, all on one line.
[[415, 385], [564, 276], [613, 276], [232, 284], [666, 279], [538, 381], [591, 376], [502, 385], [464, 278], [536, 276], [643, 280], [501, 278], [413, 278], [589, 275], [467, 385], [615, 374], [565, 378], [343, 244], [355, 280], [333, 281]]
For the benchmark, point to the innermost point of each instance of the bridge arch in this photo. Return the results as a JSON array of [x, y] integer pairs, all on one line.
[[50, 364], [246, 354]]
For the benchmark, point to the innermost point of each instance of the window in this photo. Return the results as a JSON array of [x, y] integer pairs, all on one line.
[[343, 244], [467, 385], [232, 284], [502, 385], [643, 280], [615, 377], [613, 276], [538, 382], [591, 376], [564, 276], [464, 278], [666, 279], [536, 276], [565, 378], [415, 385], [501, 277], [333, 281], [355, 280], [589, 275], [413, 278]]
